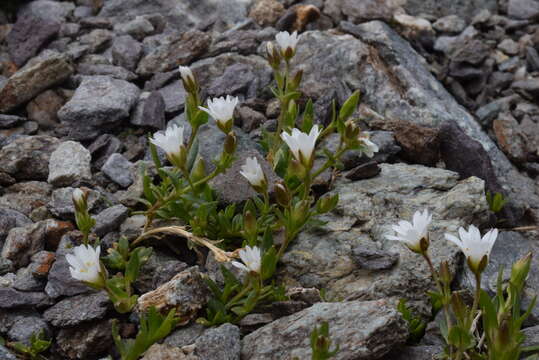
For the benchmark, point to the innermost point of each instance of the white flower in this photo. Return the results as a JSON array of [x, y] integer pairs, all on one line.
[[474, 247], [412, 233], [251, 259], [171, 141], [84, 264], [252, 171], [221, 109], [302, 144], [287, 40], [78, 195], [187, 74], [369, 148]]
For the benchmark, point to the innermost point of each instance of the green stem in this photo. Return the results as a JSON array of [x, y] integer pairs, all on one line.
[[440, 286], [238, 296], [476, 298]]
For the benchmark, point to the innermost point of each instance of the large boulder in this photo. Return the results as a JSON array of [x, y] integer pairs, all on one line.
[[363, 330], [331, 255], [396, 85]]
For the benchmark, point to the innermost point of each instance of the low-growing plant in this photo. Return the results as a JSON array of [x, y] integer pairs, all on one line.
[[489, 328], [496, 201], [38, 345], [152, 328], [416, 325]]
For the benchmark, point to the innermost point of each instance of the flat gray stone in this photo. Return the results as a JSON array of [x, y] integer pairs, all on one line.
[[78, 309], [119, 169]]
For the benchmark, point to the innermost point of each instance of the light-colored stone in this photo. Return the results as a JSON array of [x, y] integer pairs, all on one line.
[[69, 163]]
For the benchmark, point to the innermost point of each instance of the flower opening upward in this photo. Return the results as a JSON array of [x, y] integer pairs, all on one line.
[[253, 172], [251, 259], [302, 144], [222, 110], [84, 264], [287, 42], [368, 148], [414, 234], [172, 143], [476, 248]]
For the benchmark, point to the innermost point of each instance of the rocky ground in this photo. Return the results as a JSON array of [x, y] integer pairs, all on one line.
[[449, 91]]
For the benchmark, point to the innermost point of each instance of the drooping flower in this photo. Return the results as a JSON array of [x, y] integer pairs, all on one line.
[[222, 110], [253, 172], [368, 148], [476, 248], [186, 73], [188, 79], [287, 42], [413, 234], [172, 143], [84, 264], [301, 144], [251, 258]]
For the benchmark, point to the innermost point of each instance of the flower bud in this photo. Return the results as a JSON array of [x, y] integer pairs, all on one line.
[[274, 58], [282, 194], [326, 204], [296, 81], [445, 273], [520, 270], [249, 223], [230, 143], [188, 79]]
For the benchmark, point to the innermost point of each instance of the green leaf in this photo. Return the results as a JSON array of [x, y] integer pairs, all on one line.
[[308, 117], [133, 266], [349, 106]]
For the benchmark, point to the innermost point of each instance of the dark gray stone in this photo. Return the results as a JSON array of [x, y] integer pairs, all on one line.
[[186, 335], [61, 204], [159, 269], [9, 121], [220, 343], [126, 52], [150, 111], [102, 148], [374, 259], [414, 353], [364, 171], [119, 169], [439, 8], [523, 9], [85, 341], [69, 163], [11, 298], [116, 72], [27, 157], [6, 354], [110, 219], [26, 281], [78, 309], [28, 35], [24, 325]]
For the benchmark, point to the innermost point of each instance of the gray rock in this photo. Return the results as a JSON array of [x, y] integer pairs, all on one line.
[[180, 51], [43, 109], [425, 102], [182, 16], [23, 242], [523, 9], [24, 325], [48, 9], [150, 111], [231, 187], [159, 269], [174, 96], [139, 28], [116, 72], [26, 281], [69, 163], [185, 335], [110, 219], [220, 343], [25, 197], [99, 102], [365, 171], [9, 121], [60, 282], [362, 329], [78, 309], [374, 259], [27, 157], [126, 52], [85, 341], [61, 204], [38, 75], [414, 353], [531, 336], [450, 24], [11, 298], [9, 219], [28, 35], [98, 40], [118, 169], [6, 354], [464, 9], [324, 257], [102, 148]]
